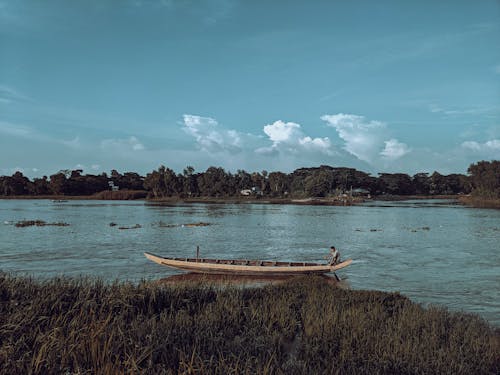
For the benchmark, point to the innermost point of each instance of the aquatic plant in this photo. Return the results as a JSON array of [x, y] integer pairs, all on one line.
[[38, 223]]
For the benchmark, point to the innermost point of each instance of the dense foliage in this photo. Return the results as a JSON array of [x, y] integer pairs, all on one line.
[[323, 181], [485, 178], [304, 326]]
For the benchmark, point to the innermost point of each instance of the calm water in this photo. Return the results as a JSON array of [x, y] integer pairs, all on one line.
[[432, 251]]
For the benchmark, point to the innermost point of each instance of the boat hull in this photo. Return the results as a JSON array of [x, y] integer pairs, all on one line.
[[247, 268]]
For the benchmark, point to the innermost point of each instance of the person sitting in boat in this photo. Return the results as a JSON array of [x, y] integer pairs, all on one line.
[[334, 256]]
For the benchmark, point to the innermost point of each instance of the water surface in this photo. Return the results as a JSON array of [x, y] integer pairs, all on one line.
[[435, 252]]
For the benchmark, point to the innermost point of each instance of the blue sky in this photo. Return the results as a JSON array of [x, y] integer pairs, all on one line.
[[386, 86]]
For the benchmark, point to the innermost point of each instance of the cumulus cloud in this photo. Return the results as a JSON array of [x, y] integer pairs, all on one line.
[[289, 137], [124, 145], [394, 149], [367, 140], [362, 138], [210, 136]]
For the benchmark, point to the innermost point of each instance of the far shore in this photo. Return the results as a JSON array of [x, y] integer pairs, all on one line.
[[467, 200]]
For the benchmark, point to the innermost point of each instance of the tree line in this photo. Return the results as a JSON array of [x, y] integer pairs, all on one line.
[[483, 179]]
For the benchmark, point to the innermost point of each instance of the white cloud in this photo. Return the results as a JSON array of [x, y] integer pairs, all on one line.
[[29, 133], [366, 140], [16, 130], [394, 149], [72, 143], [492, 146], [434, 108], [122, 145], [281, 131], [362, 138], [289, 137], [210, 136]]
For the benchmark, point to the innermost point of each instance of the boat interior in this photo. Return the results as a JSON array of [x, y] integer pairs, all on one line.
[[245, 262]]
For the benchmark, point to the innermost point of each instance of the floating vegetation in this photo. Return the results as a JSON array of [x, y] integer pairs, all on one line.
[[189, 225], [303, 326], [136, 226], [38, 223], [419, 229]]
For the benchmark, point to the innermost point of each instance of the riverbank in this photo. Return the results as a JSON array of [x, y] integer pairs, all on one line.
[[301, 326], [103, 195], [479, 202], [142, 195], [466, 200]]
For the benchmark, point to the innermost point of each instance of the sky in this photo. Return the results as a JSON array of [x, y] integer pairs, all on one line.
[[385, 86]]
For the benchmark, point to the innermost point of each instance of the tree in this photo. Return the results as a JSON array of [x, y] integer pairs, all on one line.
[[17, 184], [396, 183], [318, 184], [213, 183], [58, 183], [189, 182], [162, 183], [421, 183], [485, 178], [278, 184], [41, 186]]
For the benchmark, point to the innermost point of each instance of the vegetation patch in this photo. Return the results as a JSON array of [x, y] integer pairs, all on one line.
[[301, 326], [121, 195], [38, 223], [136, 226], [161, 224]]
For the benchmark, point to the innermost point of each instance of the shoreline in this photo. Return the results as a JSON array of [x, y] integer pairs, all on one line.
[[134, 195], [465, 200]]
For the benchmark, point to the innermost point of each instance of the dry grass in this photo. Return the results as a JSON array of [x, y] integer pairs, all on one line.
[[120, 195], [480, 202], [302, 326]]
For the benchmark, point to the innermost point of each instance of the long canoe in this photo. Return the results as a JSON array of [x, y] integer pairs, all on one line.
[[245, 267]]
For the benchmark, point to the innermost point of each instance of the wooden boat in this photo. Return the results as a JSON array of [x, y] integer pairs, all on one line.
[[245, 267]]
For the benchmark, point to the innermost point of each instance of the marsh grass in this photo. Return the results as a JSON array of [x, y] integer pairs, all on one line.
[[301, 326]]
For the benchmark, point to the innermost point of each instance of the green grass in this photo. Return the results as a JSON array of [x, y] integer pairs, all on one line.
[[303, 326]]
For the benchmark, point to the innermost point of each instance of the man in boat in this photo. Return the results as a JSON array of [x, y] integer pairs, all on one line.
[[334, 256]]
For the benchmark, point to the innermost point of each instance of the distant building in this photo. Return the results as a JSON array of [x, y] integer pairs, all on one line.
[[113, 186], [359, 192], [253, 191]]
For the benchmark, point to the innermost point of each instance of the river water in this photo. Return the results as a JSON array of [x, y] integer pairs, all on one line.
[[435, 252]]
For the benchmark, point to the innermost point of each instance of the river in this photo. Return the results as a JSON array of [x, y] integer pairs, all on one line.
[[433, 251]]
